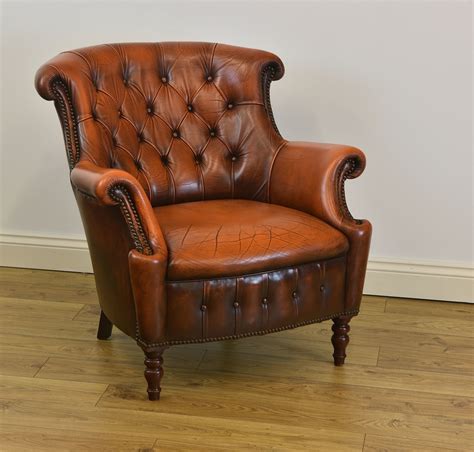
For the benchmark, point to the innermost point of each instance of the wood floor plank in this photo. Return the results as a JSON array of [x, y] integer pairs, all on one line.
[[78, 394], [213, 432], [14, 308], [422, 308], [393, 357], [21, 365], [17, 438], [377, 443], [423, 381]]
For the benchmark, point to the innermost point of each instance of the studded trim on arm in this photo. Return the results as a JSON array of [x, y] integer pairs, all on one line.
[[63, 103], [268, 74], [345, 172], [120, 194]]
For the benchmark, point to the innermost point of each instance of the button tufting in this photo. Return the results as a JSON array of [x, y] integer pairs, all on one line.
[[138, 164], [190, 107], [175, 134], [149, 110], [321, 288], [164, 79], [212, 133], [230, 106], [140, 137], [125, 81], [265, 301], [164, 159], [203, 307], [294, 294], [236, 304], [120, 113], [209, 78], [234, 158], [198, 158]]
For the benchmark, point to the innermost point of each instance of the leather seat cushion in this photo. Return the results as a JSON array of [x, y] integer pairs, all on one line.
[[233, 237]]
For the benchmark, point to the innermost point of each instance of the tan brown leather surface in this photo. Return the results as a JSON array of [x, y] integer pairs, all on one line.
[[219, 308], [212, 239], [150, 128]]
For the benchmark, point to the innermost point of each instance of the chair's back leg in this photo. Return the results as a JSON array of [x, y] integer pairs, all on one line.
[[105, 327]]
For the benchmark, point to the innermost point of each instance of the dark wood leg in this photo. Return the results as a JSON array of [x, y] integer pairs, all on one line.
[[154, 372], [340, 338], [105, 327]]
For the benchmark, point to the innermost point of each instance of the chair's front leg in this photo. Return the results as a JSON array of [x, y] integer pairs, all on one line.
[[340, 338], [154, 371], [105, 327]]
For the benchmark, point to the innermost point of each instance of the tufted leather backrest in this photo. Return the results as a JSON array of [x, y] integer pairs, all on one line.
[[190, 121]]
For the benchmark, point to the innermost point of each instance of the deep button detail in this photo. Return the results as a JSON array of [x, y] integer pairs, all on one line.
[[140, 137], [234, 158], [212, 133], [230, 106], [125, 81], [164, 159], [120, 113], [175, 133], [149, 110], [114, 141], [265, 301], [321, 288], [164, 79], [138, 164], [209, 78], [190, 107], [236, 304], [203, 307], [294, 294], [198, 159]]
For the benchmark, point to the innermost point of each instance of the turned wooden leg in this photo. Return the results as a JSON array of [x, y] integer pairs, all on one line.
[[154, 372], [105, 327], [340, 338]]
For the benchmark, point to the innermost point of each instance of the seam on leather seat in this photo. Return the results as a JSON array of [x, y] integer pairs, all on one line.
[[244, 275], [242, 335]]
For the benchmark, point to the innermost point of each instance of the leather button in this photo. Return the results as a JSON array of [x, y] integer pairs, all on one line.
[[125, 81], [198, 159], [230, 106], [236, 304], [190, 107], [164, 159], [265, 301], [138, 164], [149, 110], [175, 134], [294, 294], [120, 113], [212, 133], [140, 137], [234, 158], [164, 79], [203, 307], [209, 78], [321, 288]]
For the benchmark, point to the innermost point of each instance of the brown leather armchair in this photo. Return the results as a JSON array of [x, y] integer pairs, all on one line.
[[203, 223]]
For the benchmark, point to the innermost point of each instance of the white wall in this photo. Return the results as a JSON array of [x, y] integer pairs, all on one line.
[[391, 77]]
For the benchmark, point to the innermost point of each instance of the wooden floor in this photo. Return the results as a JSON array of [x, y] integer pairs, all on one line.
[[407, 383]]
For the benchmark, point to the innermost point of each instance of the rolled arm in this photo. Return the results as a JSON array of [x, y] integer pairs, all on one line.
[[310, 177], [112, 187], [146, 265]]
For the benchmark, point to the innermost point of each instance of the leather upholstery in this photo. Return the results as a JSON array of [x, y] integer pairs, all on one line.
[[214, 239], [202, 221]]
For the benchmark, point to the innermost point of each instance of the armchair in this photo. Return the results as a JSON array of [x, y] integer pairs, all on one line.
[[202, 222]]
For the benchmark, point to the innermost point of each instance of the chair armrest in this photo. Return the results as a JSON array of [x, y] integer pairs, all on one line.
[[111, 187], [310, 177]]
